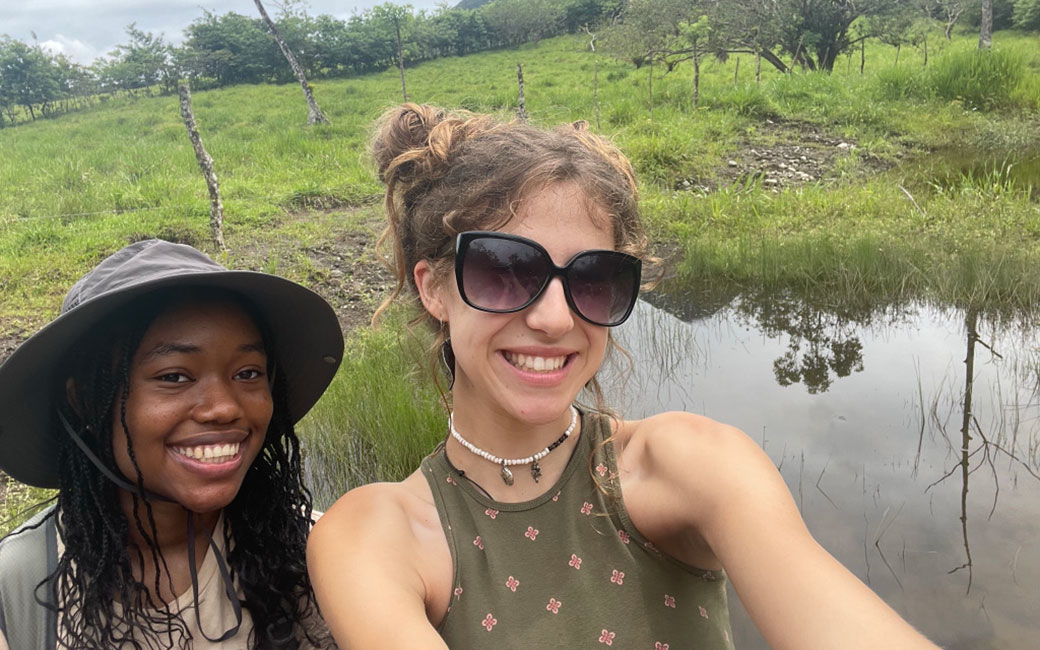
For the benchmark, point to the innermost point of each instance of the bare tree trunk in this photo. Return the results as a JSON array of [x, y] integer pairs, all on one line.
[[736, 72], [925, 64], [651, 87], [592, 37], [595, 89], [758, 67], [314, 114], [986, 28], [899, 47], [400, 56], [216, 206], [951, 20], [862, 55], [521, 109], [696, 80]]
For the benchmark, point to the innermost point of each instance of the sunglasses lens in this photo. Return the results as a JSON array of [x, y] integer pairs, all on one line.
[[604, 286], [501, 274]]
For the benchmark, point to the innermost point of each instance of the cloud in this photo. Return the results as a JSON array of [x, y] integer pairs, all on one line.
[[75, 49], [86, 29]]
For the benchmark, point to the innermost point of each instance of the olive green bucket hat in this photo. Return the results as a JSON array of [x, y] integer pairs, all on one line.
[[308, 342]]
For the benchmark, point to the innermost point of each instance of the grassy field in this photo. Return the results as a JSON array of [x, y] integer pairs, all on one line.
[[883, 219]]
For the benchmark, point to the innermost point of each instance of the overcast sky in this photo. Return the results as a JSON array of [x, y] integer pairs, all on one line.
[[86, 29]]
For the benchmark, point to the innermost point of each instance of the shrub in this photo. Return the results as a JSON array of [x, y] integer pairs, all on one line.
[[901, 83], [1027, 14], [746, 101], [981, 79]]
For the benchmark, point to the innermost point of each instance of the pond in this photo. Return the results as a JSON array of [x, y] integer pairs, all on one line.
[[955, 170], [864, 416]]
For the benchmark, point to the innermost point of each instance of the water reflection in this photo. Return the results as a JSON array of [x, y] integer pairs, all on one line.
[[822, 343], [898, 404]]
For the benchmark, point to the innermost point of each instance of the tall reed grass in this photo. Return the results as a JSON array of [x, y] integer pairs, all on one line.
[[380, 416]]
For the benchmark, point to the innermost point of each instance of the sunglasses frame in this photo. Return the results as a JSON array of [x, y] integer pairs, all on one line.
[[464, 239]]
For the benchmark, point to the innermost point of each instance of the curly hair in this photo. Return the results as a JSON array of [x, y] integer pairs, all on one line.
[[265, 526], [447, 173]]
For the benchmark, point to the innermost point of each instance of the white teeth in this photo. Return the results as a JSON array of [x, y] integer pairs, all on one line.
[[210, 453], [536, 364]]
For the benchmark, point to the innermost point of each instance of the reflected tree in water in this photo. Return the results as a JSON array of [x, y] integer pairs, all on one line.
[[986, 450], [821, 344]]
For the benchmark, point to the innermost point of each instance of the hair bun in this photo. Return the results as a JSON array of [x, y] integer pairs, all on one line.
[[403, 131]]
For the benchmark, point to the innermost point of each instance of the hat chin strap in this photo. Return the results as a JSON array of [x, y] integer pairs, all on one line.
[[225, 574]]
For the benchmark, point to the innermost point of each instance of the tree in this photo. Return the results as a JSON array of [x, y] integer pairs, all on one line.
[[950, 12], [314, 114], [814, 33], [29, 77], [142, 63], [395, 19], [521, 21], [1027, 14], [229, 49], [986, 26]]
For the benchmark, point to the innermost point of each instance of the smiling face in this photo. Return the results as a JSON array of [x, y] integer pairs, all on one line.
[[199, 404], [529, 365]]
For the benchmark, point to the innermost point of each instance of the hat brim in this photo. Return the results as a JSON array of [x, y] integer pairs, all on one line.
[[308, 348]]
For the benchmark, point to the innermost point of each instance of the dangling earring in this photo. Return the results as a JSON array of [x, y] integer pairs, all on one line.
[[448, 357]]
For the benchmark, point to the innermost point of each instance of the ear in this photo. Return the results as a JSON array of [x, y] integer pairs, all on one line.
[[71, 397], [431, 290]]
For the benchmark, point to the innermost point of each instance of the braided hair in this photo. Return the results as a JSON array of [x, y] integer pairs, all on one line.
[[101, 604]]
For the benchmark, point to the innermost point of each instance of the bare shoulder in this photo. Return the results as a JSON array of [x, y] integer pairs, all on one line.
[[376, 513], [686, 470], [378, 558], [677, 438]]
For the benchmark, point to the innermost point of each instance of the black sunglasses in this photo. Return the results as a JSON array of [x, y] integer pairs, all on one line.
[[501, 273]]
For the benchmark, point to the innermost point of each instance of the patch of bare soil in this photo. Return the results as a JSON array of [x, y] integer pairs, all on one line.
[[342, 267], [785, 154], [354, 281]]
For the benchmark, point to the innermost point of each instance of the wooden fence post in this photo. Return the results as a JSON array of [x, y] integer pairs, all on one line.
[[521, 110], [595, 89], [314, 114], [216, 206]]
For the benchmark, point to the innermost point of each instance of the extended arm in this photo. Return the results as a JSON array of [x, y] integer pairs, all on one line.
[[365, 564], [726, 492]]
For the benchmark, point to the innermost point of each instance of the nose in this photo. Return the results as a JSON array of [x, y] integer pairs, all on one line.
[[551, 313], [217, 402]]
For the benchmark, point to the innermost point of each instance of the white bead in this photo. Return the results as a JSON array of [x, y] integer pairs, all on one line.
[[504, 462]]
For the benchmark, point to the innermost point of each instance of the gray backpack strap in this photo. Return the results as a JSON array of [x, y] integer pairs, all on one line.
[[27, 557]]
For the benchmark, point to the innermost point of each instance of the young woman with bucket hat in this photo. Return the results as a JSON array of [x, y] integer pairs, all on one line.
[[161, 404]]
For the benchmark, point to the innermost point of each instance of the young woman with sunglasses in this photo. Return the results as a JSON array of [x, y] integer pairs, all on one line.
[[540, 523]]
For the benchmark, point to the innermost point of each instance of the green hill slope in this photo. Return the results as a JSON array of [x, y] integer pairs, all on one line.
[[82, 185]]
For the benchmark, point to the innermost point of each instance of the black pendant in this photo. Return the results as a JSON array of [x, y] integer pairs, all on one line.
[[507, 476], [536, 471]]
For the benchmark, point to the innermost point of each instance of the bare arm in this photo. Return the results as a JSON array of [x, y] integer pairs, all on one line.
[[721, 486], [366, 568]]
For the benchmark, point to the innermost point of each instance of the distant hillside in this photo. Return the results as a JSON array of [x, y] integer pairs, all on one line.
[[471, 4]]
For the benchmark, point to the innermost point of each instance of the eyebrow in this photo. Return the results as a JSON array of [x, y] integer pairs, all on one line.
[[164, 348]]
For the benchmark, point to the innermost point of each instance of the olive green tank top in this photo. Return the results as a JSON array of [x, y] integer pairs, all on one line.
[[568, 569]]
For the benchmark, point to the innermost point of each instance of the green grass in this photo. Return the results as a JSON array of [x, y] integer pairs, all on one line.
[[80, 186], [379, 417], [19, 502]]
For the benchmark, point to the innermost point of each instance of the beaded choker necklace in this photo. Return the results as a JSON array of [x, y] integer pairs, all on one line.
[[532, 460]]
